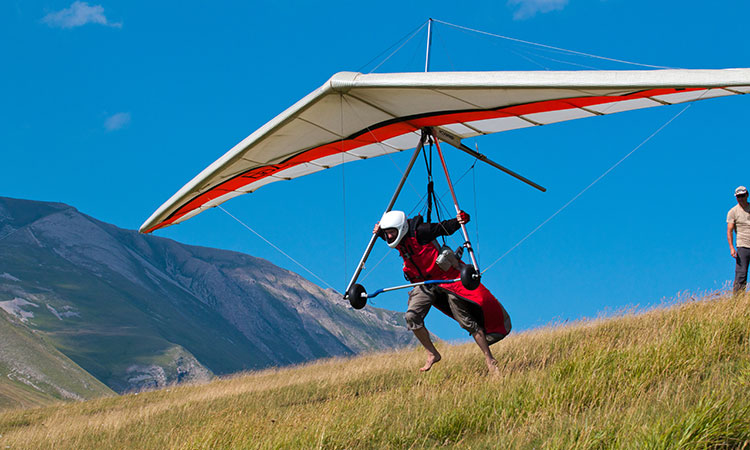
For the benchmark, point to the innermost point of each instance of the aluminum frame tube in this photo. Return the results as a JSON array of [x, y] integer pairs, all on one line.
[[486, 160], [371, 244], [455, 203]]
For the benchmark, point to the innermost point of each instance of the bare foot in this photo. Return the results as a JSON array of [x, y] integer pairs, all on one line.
[[492, 366], [432, 358]]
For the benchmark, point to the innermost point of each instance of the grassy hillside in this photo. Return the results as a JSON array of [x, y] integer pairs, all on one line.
[[34, 373], [676, 377]]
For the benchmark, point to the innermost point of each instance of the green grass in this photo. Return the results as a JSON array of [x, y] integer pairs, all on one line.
[[674, 377], [34, 373]]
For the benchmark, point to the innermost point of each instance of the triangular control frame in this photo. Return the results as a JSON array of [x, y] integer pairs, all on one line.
[[470, 276]]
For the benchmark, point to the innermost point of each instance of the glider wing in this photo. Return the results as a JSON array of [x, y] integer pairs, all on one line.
[[355, 116]]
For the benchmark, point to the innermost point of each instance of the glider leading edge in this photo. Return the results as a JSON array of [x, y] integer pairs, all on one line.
[[357, 116]]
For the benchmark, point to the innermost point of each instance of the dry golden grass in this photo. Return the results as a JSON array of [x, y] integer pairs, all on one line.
[[673, 377]]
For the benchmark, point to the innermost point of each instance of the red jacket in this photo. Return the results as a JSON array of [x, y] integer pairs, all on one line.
[[419, 251]]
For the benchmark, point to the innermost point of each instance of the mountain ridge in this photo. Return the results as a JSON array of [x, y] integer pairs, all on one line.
[[140, 311]]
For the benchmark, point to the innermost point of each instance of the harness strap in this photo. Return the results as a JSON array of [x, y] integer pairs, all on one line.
[[408, 253], [430, 199]]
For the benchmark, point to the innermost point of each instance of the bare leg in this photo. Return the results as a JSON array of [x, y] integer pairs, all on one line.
[[481, 340], [433, 356]]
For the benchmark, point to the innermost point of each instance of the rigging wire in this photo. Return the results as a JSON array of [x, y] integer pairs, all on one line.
[[587, 188], [385, 255], [414, 54], [277, 248], [476, 210], [558, 61], [445, 51], [550, 47], [399, 48], [411, 34], [458, 180], [530, 60], [417, 205]]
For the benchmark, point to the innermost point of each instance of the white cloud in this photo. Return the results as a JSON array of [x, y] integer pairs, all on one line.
[[117, 121], [529, 8], [79, 14]]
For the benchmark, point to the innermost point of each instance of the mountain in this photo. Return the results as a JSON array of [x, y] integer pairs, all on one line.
[[139, 311]]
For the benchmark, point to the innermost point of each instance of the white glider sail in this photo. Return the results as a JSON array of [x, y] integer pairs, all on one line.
[[355, 116]]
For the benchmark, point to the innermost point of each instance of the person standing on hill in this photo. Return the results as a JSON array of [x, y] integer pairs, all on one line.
[[738, 221], [477, 311]]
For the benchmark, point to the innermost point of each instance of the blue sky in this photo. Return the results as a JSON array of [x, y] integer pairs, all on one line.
[[112, 106]]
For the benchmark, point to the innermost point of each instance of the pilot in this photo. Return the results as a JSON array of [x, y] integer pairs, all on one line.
[[477, 311]]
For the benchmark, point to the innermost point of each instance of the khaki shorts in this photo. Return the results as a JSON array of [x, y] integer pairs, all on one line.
[[421, 298]]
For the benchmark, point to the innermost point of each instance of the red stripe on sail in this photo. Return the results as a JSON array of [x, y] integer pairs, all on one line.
[[393, 129]]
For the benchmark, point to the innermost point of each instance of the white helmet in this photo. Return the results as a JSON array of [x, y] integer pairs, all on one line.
[[396, 220]]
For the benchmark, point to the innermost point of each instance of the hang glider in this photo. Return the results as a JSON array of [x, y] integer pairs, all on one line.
[[355, 116]]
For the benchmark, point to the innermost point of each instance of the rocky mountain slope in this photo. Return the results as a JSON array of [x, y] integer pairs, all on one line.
[[141, 311]]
